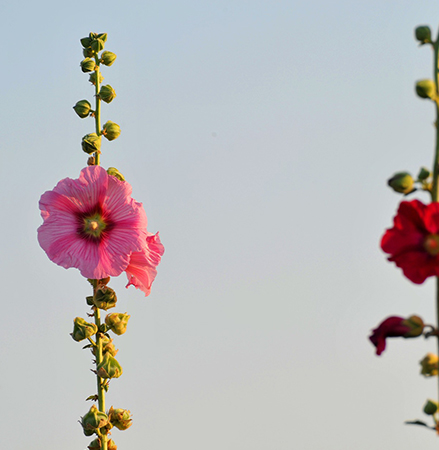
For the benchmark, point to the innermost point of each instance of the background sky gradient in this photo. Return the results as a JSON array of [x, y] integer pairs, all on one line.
[[259, 136]]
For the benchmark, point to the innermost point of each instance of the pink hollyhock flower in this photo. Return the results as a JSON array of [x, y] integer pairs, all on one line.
[[395, 327], [92, 223], [141, 270], [413, 242]]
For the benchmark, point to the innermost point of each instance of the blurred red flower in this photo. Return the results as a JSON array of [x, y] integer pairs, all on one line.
[[413, 242]]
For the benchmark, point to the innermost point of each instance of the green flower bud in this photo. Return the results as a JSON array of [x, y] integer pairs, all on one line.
[[423, 174], [115, 173], [102, 37], [111, 130], [430, 407], [92, 78], [426, 89], [82, 108], [107, 346], [93, 420], [109, 367], [401, 182], [105, 298], [108, 58], [96, 445], [416, 325], [82, 329], [107, 93], [429, 365], [88, 65], [88, 52], [91, 143], [97, 45], [423, 34], [117, 322], [86, 42], [120, 418]]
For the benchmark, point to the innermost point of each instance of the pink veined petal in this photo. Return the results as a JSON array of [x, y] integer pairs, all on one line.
[[62, 235]]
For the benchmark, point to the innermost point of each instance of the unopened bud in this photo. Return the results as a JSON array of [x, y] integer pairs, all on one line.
[[108, 58], [96, 445], [430, 407], [423, 34], [107, 93], [82, 329], [401, 182], [120, 418], [107, 346], [91, 143], [423, 174], [105, 298], [426, 89], [102, 37], [86, 42], [429, 365], [115, 173], [88, 53], [92, 78], [117, 322], [93, 420], [88, 65], [97, 45], [416, 325], [111, 130], [109, 367], [82, 108]]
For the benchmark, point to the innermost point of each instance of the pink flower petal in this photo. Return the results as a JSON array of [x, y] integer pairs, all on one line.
[[141, 270]]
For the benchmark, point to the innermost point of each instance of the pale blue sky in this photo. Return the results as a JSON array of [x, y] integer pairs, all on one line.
[[259, 136]]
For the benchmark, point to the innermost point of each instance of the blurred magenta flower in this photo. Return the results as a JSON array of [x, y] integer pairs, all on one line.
[[395, 327], [92, 223]]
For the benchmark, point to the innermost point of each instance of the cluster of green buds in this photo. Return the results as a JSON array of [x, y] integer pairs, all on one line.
[[97, 421], [100, 423], [95, 56], [405, 183]]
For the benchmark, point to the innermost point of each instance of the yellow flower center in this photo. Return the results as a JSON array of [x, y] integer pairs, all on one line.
[[431, 244], [94, 225]]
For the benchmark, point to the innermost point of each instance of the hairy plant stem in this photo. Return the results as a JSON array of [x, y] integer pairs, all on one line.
[[98, 108], [100, 381]]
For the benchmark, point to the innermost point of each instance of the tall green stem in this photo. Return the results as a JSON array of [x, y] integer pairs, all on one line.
[[98, 107], [100, 381]]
